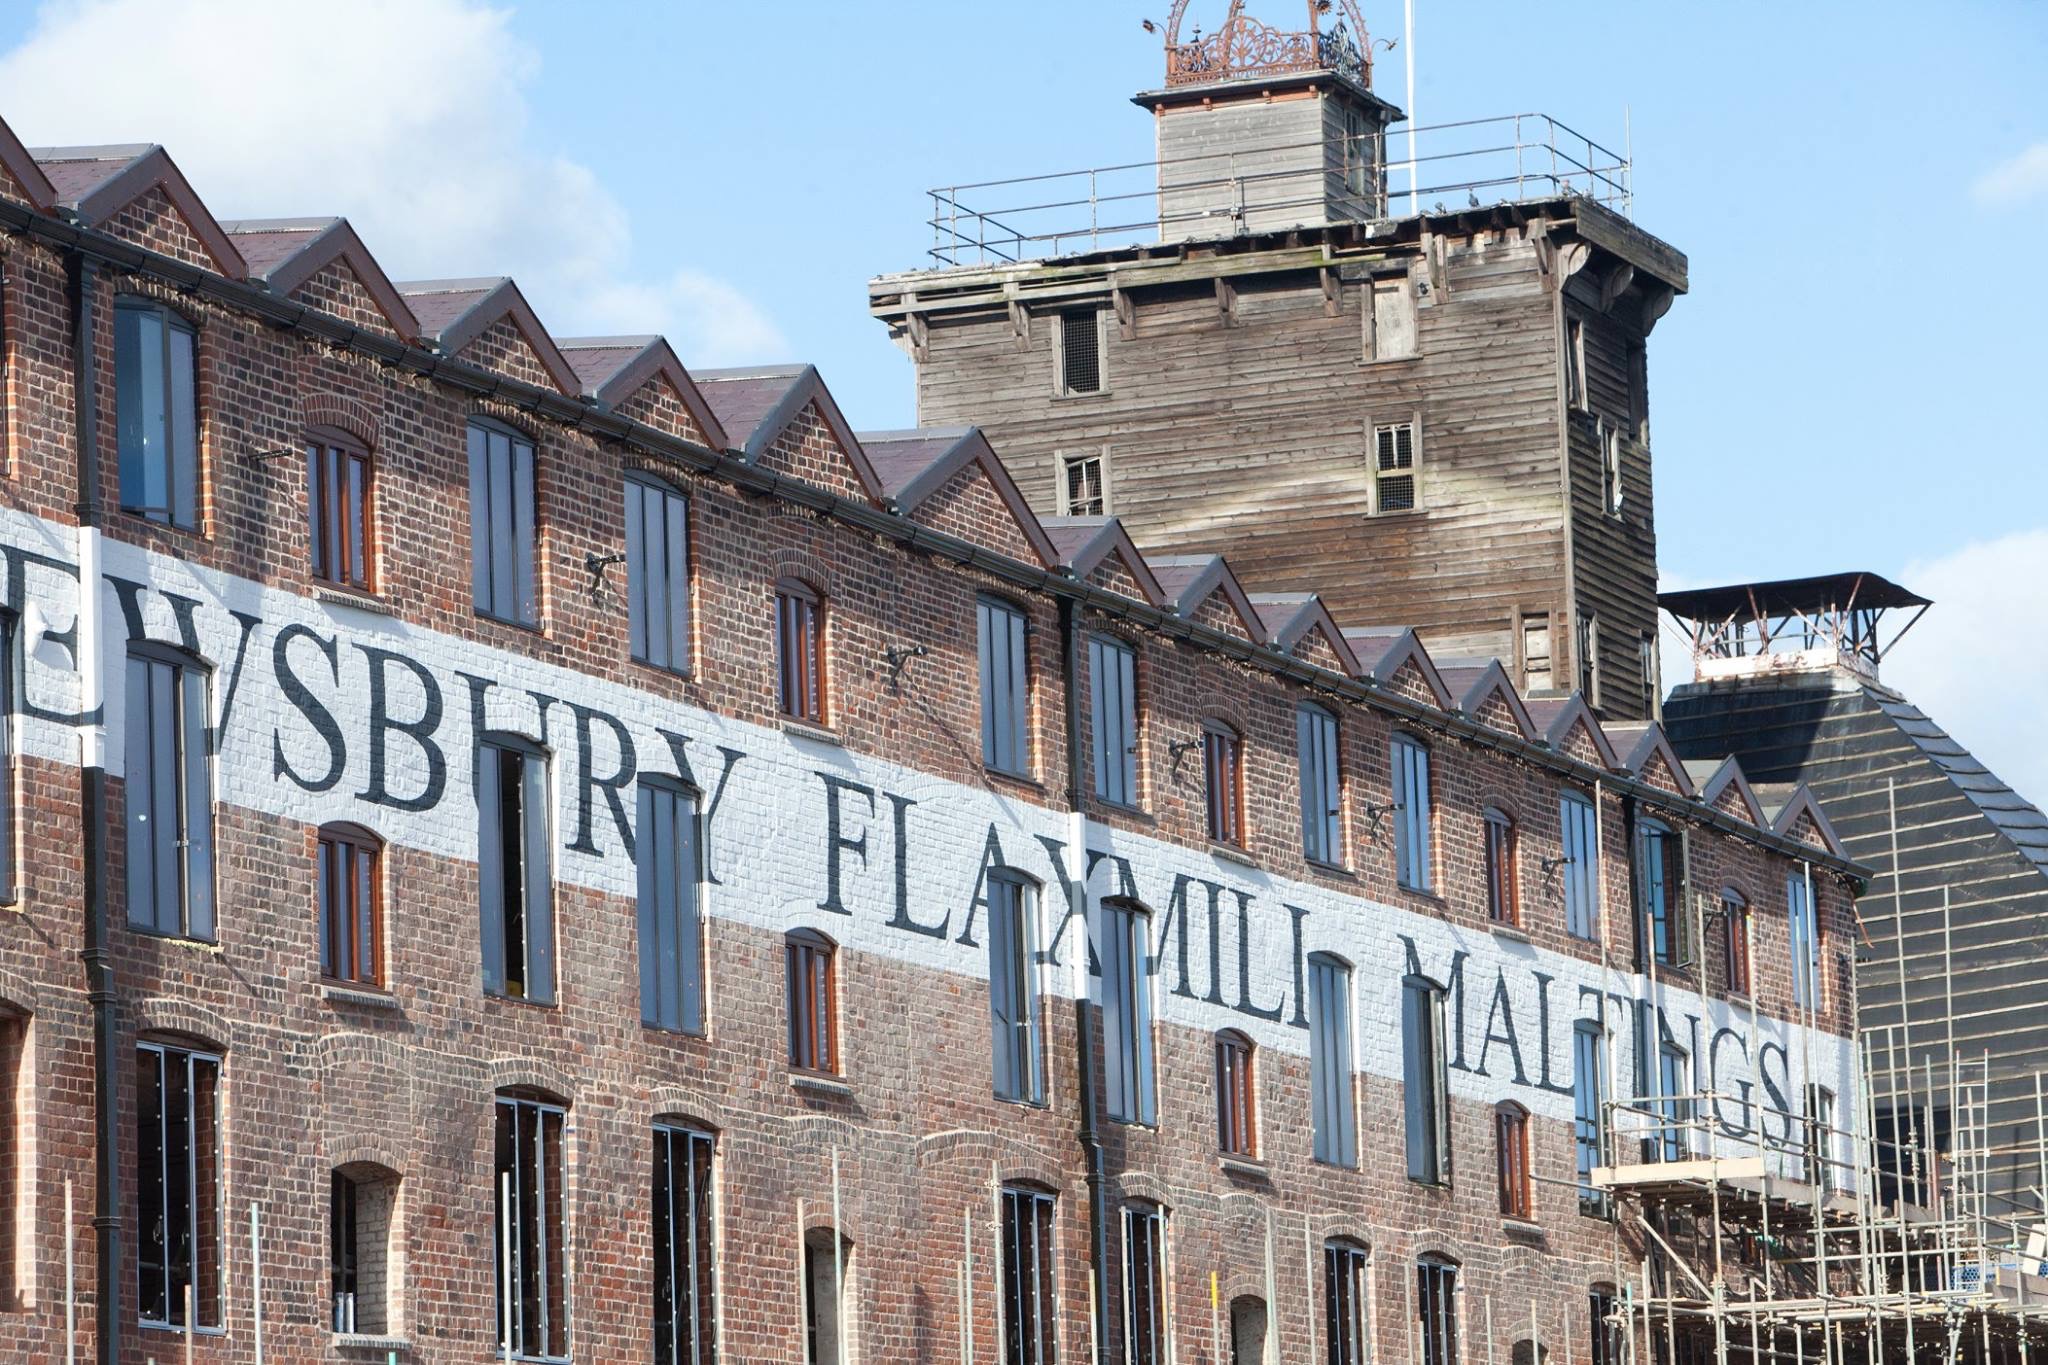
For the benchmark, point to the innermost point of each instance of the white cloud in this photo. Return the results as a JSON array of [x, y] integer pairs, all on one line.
[[1977, 663], [407, 116], [2015, 180]]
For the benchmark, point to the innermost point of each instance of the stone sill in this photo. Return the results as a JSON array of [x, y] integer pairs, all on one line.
[[1508, 932], [821, 1084], [1231, 853], [351, 1341], [336, 993], [815, 733], [1249, 1167], [342, 597]]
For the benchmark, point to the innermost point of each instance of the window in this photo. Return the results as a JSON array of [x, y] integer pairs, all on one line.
[[1005, 687], [799, 651], [1347, 1298], [1436, 1305], [1322, 799], [1414, 815], [169, 797], [1610, 466], [177, 1186], [1013, 1004], [501, 525], [827, 1258], [1333, 1108], [685, 1248], [813, 1002], [1575, 363], [1589, 658], [1579, 846], [1081, 351], [1605, 1330], [1805, 937], [1248, 1330], [1127, 1011], [671, 920], [1674, 1111], [1393, 456], [1083, 483], [1589, 1098], [1030, 1308], [1390, 319], [1660, 891], [338, 510], [658, 573], [1223, 781], [1639, 392], [1426, 1073], [1237, 1127], [1652, 674], [18, 1202], [1535, 646], [156, 412], [351, 936], [1112, 680], [9, 795], [531, 1243], [1820, 1136], [1511, 1137], [1735, 927], [515, 878], [1503, 889], [1147, 1333], [362, 1214]]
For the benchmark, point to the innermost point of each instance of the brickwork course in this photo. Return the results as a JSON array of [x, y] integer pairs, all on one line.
[[878, 825]]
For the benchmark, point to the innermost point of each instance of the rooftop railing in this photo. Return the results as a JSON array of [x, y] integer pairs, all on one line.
[[1515, 158]]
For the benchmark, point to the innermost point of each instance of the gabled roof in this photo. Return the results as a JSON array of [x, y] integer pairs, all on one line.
[[1472, 683], [18, 162], [284, 253], [756, 403], [1190, 580], [913, 465], [453, 313], [1798, 801], [1082, 543], [613, 369], [1556, 716], [1290, 616], [95, 183], [1726, 774], [1381, 650], [1639, 742]]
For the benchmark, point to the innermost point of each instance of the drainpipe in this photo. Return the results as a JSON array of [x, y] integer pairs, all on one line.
[[1084, 1036], [99, 965]]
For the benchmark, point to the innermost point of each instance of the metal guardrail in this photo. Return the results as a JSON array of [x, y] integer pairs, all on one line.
[[1514, 158]]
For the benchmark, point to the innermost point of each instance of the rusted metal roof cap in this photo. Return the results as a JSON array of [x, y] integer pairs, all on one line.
[[1790, 596]]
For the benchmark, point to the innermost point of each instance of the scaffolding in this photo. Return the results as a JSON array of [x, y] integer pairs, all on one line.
[[1767, 1236]]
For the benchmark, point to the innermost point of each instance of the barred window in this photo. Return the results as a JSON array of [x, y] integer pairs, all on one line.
[[1436, 1305], [1081, 350], [1030, 1278], [658, 573], [531, 1240], [1146, 1327], [1394, 468], [177, 1186], [685, 1248], [1347, 1301]]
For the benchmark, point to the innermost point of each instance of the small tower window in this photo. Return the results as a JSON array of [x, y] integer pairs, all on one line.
[[1083, 483], [1081, 351], [1610, 467], [1390, 319], [1393, 467]]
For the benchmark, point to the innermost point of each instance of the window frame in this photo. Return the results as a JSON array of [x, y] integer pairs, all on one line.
[[1579, 847], [1412, 471], [1025, 1037], [1613, 492], [1738, 932], [1436, 1288], [1804, 945], [1223, 783], [1333, 1064], [1589, 1129], [1004, 725], [169, 322], [1347, 1301], [1130, 1072], [1674, 1101], [1062, 378], [676, 581], [1503, 865], [1065, 460], [1148, 1308], [1319, 766], [1661, 892], [344, 1254], [197, 907], [801, 655], [1426, 1099], [538, 957], [1128, 791], [1586, 644], [551, 1225], [10, 787], [1409, 763], [1576, 387], [1819, 1122], [669, 905], [489, 539], [698, 1331], [191, 1057], [1237, 1095], [350, 841], [1376, 344], [813, 1029], [331, 455], [1511, 1145], [1029, 1214]]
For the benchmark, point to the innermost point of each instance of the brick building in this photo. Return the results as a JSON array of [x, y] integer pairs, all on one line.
[[511, 843]]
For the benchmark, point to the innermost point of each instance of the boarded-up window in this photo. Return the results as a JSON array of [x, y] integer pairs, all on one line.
[[1536, 668], [1390, 319], [1081, 351], [1393, 467], [1575, 363], [1083, 483]]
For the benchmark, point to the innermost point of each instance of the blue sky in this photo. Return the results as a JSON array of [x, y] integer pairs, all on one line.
[[1853, 382]]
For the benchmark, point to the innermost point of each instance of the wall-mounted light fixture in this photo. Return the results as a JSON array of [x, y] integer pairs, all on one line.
[[1178, 750], [898, 658], [597, 564]]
